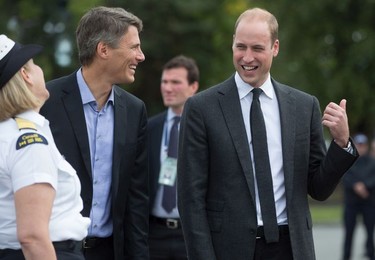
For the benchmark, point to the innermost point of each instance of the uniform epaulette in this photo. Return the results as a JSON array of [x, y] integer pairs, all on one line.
[[28, 138], [25, 124]]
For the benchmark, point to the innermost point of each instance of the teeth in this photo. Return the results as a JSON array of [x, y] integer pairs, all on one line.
[[133, 67], [248, 67]]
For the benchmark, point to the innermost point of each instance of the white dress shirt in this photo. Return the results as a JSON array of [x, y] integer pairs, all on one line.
[[271, 113]]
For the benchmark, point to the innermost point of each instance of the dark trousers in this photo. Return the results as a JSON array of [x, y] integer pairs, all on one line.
[[281, 250], [351, 211], [99, 249], [165, 241], [67, 250]]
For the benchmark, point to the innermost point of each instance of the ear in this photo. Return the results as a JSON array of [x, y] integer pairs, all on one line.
[[194, 86], [234, 37], [102, 50], [26, 76], [276, 46]]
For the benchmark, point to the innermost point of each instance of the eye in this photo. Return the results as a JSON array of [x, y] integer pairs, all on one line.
[[241, 47], [258, 49]]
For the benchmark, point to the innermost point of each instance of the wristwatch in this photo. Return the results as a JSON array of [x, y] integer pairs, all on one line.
[[349, 148]]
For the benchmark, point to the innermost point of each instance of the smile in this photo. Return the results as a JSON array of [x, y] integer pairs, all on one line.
[[249, 68]]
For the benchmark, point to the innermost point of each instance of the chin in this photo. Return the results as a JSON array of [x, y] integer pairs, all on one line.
[[46, 96], [249, 79], [129, 80]]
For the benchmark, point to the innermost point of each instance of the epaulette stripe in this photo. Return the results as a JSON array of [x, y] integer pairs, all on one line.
[[25, 124]]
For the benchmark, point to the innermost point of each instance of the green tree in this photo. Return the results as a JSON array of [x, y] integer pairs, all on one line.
[[327, 50]]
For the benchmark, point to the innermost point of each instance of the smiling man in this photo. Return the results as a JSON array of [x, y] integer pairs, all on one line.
[[251, 150], [101, 131]]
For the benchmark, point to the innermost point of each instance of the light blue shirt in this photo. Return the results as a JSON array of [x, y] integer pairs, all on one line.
[[100, 125]]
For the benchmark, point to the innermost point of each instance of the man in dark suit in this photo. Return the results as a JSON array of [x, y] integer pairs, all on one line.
[[223, 216], [101, 130], [179, 81], [359, 197]]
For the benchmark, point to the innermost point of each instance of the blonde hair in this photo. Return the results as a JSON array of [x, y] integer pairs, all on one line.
[[16, 97]]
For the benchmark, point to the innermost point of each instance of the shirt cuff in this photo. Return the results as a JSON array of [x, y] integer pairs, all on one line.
[[349, 148]]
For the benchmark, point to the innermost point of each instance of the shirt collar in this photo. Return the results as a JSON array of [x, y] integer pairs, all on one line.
[[245, 88], [86, 94], [171, 114]]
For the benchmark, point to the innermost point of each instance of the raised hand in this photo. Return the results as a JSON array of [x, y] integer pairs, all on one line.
[[336, 119]]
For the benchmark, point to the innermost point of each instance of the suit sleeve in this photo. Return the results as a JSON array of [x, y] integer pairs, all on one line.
[[325, 169], [137, 209], [193, 174]]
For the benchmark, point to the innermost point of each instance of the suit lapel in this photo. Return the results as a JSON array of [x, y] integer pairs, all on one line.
[[74, 109], [156, 138], [287, 106], [231, 108], [119, 139], [155, 133]]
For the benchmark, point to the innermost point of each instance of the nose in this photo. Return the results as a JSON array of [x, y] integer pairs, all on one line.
[[248, 56], [166, 87], [140, 56]]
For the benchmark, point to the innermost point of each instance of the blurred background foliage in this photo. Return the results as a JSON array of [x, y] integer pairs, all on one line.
[[327, 47]]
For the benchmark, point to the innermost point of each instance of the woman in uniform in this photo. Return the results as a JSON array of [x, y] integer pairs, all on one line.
[[39, 191]]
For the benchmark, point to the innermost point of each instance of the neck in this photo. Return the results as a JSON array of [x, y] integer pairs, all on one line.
[[99, 88]]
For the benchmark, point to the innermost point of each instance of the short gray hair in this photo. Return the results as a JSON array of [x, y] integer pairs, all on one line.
[[106, 24]]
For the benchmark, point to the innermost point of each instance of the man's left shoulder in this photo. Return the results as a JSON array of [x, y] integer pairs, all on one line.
[[122, 94], [298, 94]]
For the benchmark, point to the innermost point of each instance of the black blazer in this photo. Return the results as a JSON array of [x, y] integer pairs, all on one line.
[[64, 110], [155, 133], [216, 196]]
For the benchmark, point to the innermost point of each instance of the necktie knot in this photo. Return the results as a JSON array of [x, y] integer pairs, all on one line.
[[256, 93], [176, 120]]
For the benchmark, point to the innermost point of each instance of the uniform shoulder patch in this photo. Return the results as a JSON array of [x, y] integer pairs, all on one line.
[[30, 138]]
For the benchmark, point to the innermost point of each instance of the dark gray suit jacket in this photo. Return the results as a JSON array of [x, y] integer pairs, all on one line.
[[216, 194], [64, 110]]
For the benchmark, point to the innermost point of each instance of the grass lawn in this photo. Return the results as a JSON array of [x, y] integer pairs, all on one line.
[[326, 214]]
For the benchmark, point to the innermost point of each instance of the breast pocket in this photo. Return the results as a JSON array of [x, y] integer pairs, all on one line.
[[67, 176], [68, 187]]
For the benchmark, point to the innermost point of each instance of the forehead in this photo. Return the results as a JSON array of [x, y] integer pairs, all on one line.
[[175, 71], [179, 72], [131, 36], [251, 28]]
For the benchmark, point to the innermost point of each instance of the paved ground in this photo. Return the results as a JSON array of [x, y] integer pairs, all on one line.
[[329, 239]]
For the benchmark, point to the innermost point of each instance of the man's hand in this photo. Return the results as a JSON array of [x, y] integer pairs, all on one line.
[[361, 190], [336, 119]]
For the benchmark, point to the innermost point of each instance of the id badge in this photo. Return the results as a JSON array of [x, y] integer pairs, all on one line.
[[168, 171]]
